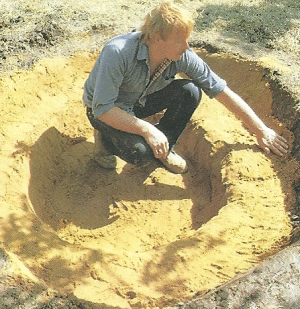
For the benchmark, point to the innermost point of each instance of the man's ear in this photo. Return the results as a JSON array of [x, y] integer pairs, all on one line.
[[156, 37]]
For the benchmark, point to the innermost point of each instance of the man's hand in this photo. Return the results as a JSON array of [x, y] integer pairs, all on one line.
[[158, 142], [269, 140]]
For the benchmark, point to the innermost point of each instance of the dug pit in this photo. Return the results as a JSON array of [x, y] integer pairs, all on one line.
[[137, 237]]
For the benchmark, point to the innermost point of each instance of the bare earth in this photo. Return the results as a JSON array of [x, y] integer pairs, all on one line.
[[73, 235]]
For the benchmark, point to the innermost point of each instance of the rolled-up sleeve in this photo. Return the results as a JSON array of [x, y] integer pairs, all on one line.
[[102, 87], [201, 73]]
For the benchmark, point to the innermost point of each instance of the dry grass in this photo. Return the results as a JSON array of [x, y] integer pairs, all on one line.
[[265, 24], [31, 30], [270, 24]]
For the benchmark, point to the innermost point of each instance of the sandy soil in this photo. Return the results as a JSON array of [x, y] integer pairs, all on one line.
[[134, 238]]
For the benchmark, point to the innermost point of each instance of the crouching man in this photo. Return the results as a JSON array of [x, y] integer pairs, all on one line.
[[134, 77]]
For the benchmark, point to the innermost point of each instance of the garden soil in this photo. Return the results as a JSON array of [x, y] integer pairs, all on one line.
[[74, 234]]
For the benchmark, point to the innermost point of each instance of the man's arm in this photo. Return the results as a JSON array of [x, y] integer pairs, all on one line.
[[123, 121], [267, 138]]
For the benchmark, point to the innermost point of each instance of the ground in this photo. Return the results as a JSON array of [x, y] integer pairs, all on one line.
[[74, 235]]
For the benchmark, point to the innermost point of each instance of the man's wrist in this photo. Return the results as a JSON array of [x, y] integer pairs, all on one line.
[[259, 130], [145, 127]]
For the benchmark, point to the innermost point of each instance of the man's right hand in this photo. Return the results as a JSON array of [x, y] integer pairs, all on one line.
[[158, 142]]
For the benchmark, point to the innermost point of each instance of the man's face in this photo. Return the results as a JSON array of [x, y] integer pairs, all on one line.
[[175, 45]]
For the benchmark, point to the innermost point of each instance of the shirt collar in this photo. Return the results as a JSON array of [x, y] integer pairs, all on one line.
[[143, 52]]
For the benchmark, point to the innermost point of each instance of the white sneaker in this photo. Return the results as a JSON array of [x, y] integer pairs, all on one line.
[[175, 163]]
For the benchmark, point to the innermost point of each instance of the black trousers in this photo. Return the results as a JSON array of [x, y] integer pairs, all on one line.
[[179, 100]]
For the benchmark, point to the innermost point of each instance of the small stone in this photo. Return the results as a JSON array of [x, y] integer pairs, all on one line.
[[131, 294]]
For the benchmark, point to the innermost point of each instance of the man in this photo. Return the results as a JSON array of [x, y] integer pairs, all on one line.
[[134, 77]]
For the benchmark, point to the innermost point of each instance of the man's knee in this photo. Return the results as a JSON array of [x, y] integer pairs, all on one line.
[[141, 154], [192, 93]]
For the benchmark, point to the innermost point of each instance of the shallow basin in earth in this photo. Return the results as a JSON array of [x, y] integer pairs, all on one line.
[[137, 237]]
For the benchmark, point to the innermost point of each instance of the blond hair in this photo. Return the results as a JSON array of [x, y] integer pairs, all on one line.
[[163, 20]]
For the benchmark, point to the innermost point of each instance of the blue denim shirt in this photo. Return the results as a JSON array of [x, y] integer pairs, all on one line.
[[122, 73]]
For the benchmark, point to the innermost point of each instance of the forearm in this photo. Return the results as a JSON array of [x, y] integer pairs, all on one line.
[[123, 121], [267, 138], [242, 110]]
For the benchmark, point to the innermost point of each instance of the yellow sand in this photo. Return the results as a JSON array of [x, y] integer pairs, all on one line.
[[136, 237]]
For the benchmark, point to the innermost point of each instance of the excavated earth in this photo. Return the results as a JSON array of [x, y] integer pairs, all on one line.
[[74, 235]]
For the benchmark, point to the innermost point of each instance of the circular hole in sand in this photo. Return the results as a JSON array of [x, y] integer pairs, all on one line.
[[144, 237]]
